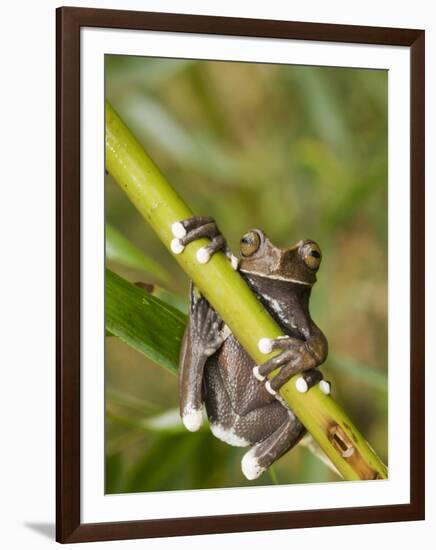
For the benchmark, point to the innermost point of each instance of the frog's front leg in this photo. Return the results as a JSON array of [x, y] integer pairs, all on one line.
[[198, 227], [297, 356], [204, 334]]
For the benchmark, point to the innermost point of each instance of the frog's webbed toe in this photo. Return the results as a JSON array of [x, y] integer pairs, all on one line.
[[199, 227], [208, 330]]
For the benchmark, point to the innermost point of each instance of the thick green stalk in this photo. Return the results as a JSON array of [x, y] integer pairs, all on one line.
[[228, 293]]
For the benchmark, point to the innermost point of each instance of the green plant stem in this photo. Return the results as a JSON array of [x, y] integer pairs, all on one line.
[[227, 292]]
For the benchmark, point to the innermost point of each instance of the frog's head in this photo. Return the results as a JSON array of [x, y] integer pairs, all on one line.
[[299, 264]]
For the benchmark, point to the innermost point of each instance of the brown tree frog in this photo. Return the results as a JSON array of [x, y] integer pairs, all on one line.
[[243, 406]]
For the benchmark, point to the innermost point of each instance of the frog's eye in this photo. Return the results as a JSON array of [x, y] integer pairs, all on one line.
[[250, 243], [311, 254]]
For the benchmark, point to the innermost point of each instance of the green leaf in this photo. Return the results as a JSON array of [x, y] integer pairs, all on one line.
[[179, 302], [143, 321], [121, 250]]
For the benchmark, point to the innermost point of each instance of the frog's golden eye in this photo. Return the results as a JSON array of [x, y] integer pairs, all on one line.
[[311, 254], [250, 243]]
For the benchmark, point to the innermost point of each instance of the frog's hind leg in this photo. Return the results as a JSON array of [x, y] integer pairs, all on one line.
[[263, 454], [204, 334]]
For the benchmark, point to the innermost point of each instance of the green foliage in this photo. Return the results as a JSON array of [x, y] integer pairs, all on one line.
[[143, 321], [122, 251], [298, 151]]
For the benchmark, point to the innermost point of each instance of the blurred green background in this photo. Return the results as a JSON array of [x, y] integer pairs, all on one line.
[[300, 152]]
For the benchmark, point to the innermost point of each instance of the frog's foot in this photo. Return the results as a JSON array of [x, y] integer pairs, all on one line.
[[289, 351], [309, 379], [263, 454], [199, 227], [208, 330], [204, 335], [295, 357]]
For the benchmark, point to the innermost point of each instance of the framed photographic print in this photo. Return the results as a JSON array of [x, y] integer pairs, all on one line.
[[240, 270]]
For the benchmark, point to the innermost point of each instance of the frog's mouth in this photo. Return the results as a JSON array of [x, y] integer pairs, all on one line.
[[276, 277]]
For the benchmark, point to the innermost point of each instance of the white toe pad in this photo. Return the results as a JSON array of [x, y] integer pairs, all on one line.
[[269, 388], [178, 230], [265, 345], [193, 420], [301, 385], [203, 255], [324, 386], [250, 466], [257, 374], [234, 262], [176, 246]]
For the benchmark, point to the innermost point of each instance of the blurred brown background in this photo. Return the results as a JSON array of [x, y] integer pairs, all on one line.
[[300, 152]]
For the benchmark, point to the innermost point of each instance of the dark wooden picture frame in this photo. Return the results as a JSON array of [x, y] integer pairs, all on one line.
[[68, 520]]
